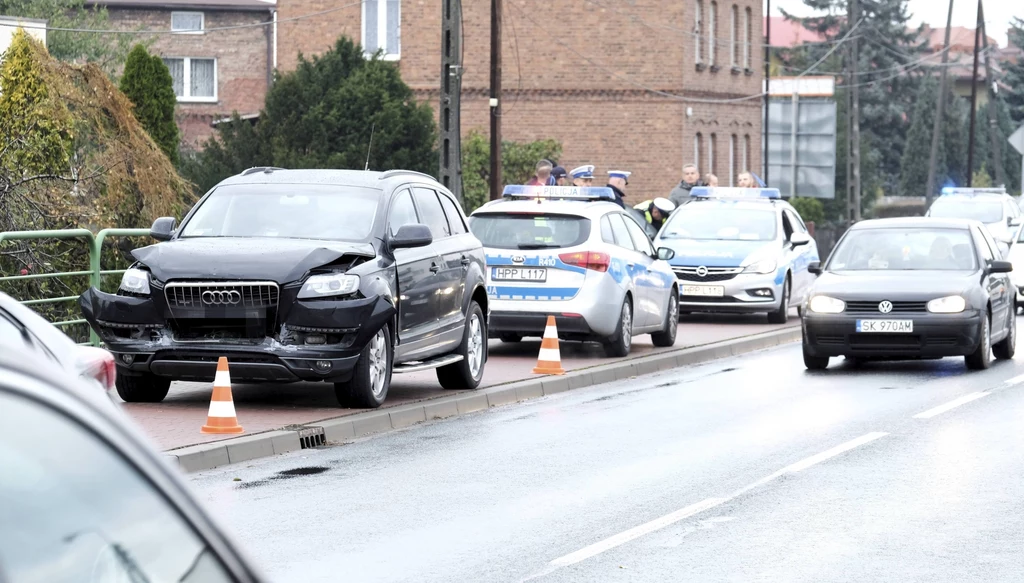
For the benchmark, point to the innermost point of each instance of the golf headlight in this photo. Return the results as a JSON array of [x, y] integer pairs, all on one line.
[[334, 284], [947, 305], [826, 305], [135, 281], [762, 267]]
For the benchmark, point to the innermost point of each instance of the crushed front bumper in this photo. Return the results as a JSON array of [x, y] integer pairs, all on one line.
[[312, 341]]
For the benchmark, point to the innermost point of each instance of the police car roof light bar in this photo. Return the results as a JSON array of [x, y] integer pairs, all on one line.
[[588, 193], [735, 193], [972, 191]]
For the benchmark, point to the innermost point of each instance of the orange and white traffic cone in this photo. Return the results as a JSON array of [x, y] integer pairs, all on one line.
[[550, 359], [221, 418]]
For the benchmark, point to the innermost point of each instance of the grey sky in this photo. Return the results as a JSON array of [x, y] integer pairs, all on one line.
[[997, 13]]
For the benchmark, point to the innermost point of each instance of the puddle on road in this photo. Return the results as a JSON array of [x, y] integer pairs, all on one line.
[[283, 475]]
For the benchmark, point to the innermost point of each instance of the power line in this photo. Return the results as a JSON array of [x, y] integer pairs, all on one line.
[[845, 38], [178, 32]]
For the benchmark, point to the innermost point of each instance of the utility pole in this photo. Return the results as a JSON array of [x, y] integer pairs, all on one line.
[[993, 123], [939, 112], [450, 173], [767, 82], [854, 17], [849, 140], [495, 103], [974, 100]]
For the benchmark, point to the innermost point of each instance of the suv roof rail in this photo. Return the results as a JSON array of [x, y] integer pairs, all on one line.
[[393, 173], [255, 169]]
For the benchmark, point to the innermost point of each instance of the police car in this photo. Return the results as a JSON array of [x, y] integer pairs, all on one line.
[[739, 250], [991, 206], [572, 253]]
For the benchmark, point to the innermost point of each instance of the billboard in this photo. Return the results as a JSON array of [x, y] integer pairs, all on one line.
[[802, 136]]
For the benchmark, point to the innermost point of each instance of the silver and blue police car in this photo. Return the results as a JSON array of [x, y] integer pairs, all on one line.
[[573, 254], [991, 206], [739, 250]]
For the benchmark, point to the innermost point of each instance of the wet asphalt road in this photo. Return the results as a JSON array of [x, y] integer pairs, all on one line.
[[747, 469]]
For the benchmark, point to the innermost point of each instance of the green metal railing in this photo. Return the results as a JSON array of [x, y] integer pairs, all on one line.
[[95, 273]]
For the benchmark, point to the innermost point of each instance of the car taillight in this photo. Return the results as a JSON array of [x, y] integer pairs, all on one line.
[[587, 260], [98, 364]]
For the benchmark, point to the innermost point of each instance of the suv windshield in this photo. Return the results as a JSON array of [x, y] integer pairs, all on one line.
[[720, 223], [532, 231], [986, 211], [905, 249], [287, 211]]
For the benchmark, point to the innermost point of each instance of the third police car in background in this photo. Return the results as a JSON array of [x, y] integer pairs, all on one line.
[[991, 206], [739, 250], [572, 253]]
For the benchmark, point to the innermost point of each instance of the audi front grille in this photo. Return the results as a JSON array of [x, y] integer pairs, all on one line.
[[226, 294]]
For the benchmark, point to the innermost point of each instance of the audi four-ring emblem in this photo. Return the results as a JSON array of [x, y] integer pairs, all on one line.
[[221, 297]]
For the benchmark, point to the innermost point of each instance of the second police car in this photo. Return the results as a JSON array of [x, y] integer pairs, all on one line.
[[991, 206], [739, 250], [571, 253]]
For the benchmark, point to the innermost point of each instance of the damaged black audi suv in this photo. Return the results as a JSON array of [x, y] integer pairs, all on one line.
[[303, 275]]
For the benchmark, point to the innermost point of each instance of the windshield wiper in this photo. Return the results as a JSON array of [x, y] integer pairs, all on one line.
[[538, 246]]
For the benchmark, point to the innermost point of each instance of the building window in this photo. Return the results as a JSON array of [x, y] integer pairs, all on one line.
[[193, 79], [712, 24], [732, 159], [696, 149], [381, 27], [711, 153], [746, 43], [746, 153], [698, 33], [187, 22], [734, 47]]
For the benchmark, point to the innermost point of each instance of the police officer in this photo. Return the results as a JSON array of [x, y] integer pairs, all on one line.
[[617, 181], [656, 211], [583, 176], [559, 176]]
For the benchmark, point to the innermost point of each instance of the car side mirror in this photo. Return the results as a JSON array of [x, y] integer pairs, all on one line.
[[797, 239], [1013, 221], [814, 268], [409, 236], [163, 228], [664, 253], [1000, 267]]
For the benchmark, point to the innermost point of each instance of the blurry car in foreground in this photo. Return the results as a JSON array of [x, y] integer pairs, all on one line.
[[911, 288], [22, 327], [82, 498]]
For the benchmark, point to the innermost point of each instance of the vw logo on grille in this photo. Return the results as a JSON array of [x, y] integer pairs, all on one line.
[[885, 307], [221, 297], [702, 271], [518, 259]]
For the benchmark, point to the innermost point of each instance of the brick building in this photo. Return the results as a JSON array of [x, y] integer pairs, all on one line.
[[219, 55], [640, 85]]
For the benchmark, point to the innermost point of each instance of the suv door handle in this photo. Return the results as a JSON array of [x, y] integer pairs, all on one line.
[[434, 268], [465, 260]]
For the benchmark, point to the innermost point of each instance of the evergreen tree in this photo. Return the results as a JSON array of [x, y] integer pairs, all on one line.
[[914, 162], [955, 141], [1015, 75], [321, 116], [148, 85]]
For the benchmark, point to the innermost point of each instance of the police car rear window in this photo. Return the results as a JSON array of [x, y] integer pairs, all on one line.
[[979, 210], [529, 231]]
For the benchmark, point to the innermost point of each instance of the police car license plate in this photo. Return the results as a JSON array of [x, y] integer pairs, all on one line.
[[716, 291], [898, 326], [519, 274]]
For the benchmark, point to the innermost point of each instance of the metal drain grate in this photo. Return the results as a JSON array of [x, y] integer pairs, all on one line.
[[311, 437]]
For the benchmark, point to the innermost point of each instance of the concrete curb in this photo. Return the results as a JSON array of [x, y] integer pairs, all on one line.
[[207, 456]]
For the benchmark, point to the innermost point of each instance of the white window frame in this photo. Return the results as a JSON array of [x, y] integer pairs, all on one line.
[[382, 29], [187, 79], [732, 159], [712, 23], [698, 33], [746, 44], [734, 17], [202, 22]]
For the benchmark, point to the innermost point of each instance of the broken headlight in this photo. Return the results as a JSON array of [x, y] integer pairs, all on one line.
[[135, 281]]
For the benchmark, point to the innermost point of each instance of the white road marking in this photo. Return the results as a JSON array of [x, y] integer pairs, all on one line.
[[1016, 380], [683, 513], [951, 405]]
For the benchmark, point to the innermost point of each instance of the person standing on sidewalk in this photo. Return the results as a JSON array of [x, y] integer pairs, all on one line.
[[691, 178], [617, 181], [543, 174], [583, 176]]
